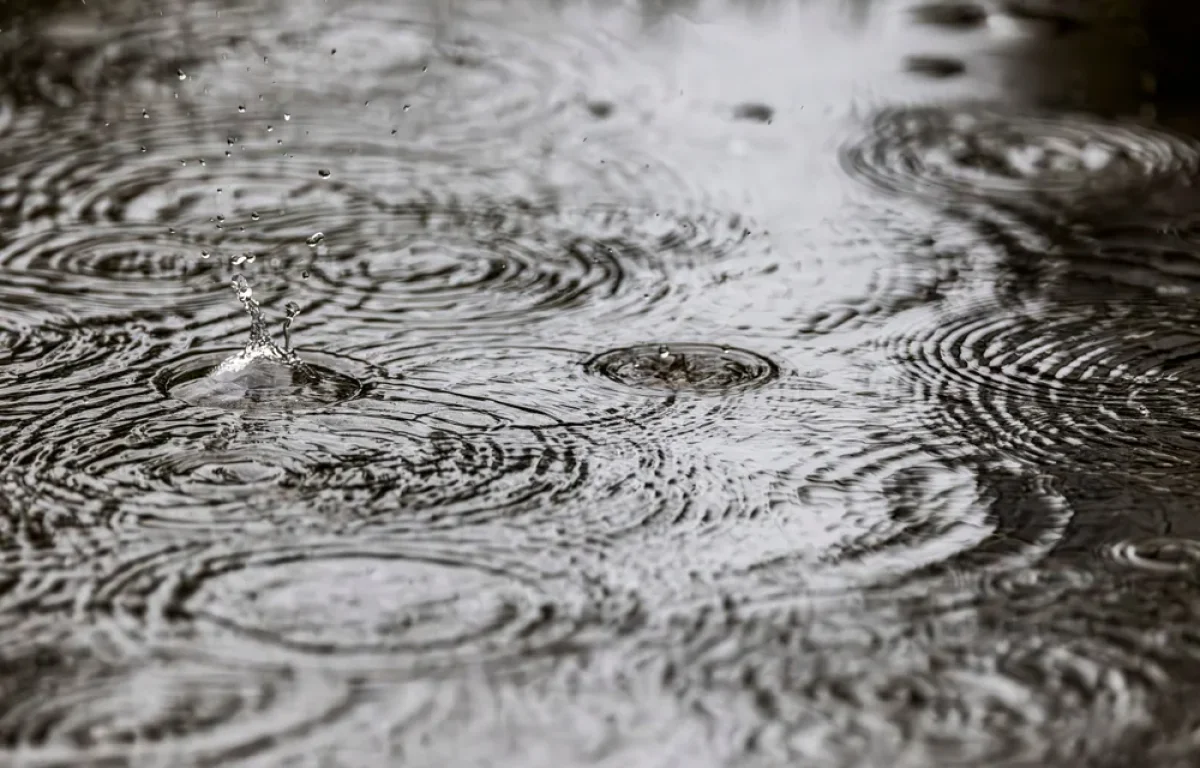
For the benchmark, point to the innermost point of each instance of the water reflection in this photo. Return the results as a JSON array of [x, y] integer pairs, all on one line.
[[679, 383]]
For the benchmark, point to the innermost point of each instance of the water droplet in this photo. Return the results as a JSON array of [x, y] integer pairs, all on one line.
[[254, 216], [406, 107], [291, 309], [145, 115], [242, 258], [305, 274], [143, 149], [180, 74], [324, 173], [270, 128], [205, 254], [241, 108], [242, 288], [287, 116], [315, 239], [333, 51]]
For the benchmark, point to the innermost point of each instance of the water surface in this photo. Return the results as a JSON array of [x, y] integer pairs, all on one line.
[[630, 384]]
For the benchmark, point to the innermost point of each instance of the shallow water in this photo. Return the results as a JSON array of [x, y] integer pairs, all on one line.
[[664, 384]]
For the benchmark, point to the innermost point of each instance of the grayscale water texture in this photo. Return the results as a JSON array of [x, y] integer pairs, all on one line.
[[554, 383]]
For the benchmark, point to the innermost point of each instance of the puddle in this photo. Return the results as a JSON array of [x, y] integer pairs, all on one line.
[[555, 383]]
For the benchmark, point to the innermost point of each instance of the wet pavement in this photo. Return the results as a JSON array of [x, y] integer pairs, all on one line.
[[581, 383]]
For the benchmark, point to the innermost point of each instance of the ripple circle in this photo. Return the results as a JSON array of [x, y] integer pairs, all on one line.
[[444, 264], [944, 155], [369, 606], [703, 369], [1160, 555], [283, 388], [176, 712], [1106, 386], [127, 269]]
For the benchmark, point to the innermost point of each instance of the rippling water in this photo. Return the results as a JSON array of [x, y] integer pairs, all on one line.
[[637, 384]]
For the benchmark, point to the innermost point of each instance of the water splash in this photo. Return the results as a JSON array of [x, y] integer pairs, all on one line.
[[263, 369]]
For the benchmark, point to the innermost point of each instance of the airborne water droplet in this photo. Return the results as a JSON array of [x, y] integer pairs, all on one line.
[[254, 216], [291, 309], [324, 173], [315, 239], [287, 116], [241, 108], [180, 74], [242, 288]]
